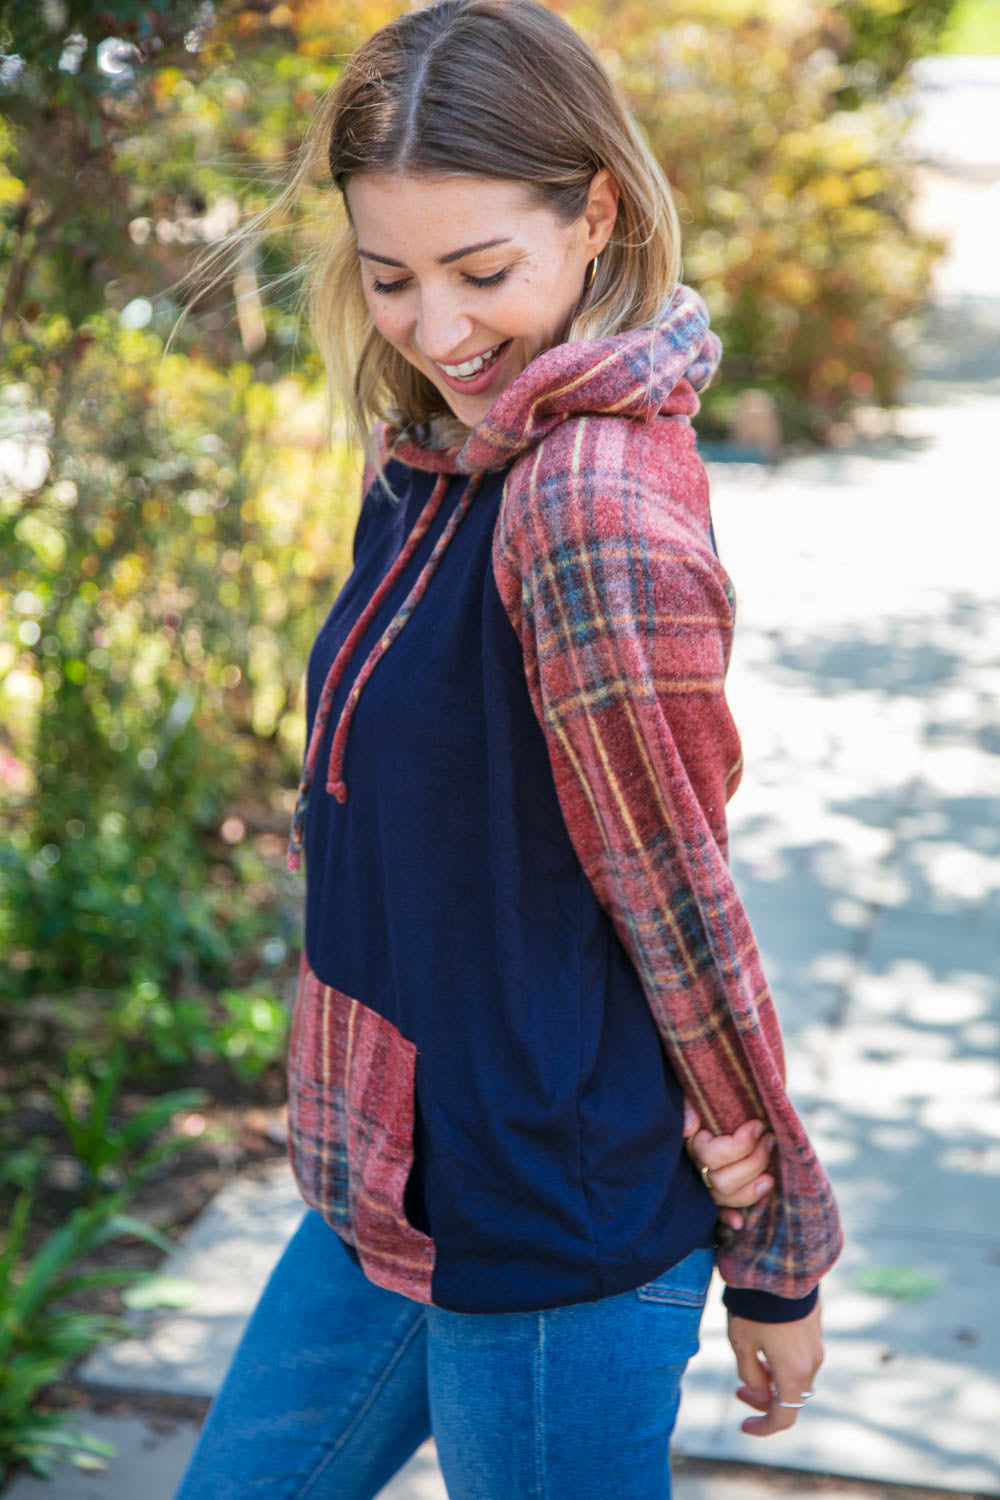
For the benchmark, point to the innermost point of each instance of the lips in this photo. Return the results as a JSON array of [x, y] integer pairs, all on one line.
[[473, 364], [480, 378]]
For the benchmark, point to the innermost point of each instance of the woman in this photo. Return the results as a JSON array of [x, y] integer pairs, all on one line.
[[523, 948]]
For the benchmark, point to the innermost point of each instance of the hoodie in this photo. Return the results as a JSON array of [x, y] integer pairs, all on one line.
[[523, 945]]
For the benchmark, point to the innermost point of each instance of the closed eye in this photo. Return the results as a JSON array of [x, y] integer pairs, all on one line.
[[388, 287], [494, 280]]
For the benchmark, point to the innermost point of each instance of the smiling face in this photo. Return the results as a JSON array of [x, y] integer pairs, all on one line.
[[469, 278]]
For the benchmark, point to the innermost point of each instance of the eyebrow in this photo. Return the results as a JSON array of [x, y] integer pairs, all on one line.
[[443, 260]]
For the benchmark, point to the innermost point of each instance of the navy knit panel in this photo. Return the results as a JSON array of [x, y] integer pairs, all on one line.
[[445, 894]]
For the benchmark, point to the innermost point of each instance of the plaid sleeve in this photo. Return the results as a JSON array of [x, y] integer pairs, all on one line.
[[603, 560]]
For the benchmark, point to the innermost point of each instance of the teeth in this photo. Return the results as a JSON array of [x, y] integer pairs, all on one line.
[[470, 366]]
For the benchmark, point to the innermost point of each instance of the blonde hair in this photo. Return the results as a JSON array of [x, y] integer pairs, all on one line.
[[484, 88]]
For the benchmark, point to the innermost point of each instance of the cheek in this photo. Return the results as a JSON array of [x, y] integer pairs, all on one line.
[[390, 321], [535, 310]]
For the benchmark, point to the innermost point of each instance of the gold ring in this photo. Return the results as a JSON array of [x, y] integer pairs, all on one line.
[[705, 1176]]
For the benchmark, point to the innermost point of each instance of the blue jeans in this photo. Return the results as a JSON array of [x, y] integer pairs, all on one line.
[[336, 1382]]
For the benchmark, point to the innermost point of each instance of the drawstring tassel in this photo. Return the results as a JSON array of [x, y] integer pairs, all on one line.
[[335, 784], [430, 510]]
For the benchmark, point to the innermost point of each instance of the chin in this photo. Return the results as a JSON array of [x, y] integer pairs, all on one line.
[[472, 409], [467, 411]]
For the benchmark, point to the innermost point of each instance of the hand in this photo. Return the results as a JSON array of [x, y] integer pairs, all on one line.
[[777, 1362], [736, 1176]]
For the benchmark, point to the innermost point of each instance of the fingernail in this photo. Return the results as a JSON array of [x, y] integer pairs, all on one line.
[[763, 1184], [770, 1143], [690, 1121], [757, 1129]]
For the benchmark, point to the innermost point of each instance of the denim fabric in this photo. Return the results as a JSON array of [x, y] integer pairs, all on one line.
[[337, 1381]]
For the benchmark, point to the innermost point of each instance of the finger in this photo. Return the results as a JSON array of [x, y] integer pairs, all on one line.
[[783, 1408], [775, 1419], [792, 1376], [745, 1138], [692, 1119], [745, 1197], [726, 1182], [732, 1218], [738, 1171], [760, 1400], [752, 1370], [789, 1355], [716, 1151], [737, 1176]]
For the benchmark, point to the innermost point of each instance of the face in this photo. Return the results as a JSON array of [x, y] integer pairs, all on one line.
[[469, 278]]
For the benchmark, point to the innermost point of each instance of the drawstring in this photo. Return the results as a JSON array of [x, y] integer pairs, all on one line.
[[335, 784]]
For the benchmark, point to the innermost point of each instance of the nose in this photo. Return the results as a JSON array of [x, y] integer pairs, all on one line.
[[443, 327]]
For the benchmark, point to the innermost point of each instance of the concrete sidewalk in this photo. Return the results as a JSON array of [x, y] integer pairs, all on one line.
[[866, 844]]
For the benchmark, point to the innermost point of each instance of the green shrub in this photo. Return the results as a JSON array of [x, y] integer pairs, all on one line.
[[41, 1332], [113, 1154], [177, 531], [779, 128]]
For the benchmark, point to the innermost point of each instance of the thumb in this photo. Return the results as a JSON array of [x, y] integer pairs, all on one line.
[[692, 1120]]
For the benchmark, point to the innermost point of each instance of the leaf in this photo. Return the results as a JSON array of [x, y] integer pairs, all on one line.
[[106, 1090], [83, 1230], [161, 1291], [37, 1442], [116, 1277], [15, 1234], [86, 1441], [73, 1125], [83, 1460], [157, 1114], [902, 1283], [128, 1224]]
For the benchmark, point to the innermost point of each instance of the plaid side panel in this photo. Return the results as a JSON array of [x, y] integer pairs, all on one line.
[[350, 1131], [602, 558]]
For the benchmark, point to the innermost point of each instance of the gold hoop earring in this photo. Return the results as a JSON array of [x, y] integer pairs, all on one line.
[[591, 273]]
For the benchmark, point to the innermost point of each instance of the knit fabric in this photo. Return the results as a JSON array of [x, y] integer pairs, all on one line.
[[603, 559], [335, 783]]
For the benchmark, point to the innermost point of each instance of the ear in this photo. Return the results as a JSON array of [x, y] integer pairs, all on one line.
[[601, 210]]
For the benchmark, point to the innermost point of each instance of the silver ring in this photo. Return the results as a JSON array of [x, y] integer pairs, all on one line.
[[792, 1405]]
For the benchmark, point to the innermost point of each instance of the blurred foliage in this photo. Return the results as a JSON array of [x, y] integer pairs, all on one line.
[[782, 132], [40, 1334], [43, 1329], [172, 526], [888, 34], [973, 29], [106, 1148]]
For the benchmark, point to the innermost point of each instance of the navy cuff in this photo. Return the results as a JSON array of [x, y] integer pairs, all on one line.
[[766, 1307]]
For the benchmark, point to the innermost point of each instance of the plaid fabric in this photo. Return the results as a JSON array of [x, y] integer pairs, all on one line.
[[350, 1131], [604, 563], [638, 374]]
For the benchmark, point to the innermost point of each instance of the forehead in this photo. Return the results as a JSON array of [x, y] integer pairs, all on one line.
[[393, 212]]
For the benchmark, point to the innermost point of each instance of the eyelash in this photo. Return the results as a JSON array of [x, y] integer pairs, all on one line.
[[480, 281]]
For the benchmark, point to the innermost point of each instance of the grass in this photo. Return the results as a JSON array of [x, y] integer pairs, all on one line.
[[974, 30]]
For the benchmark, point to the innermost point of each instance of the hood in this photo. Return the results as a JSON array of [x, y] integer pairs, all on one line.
[[649, 373]]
